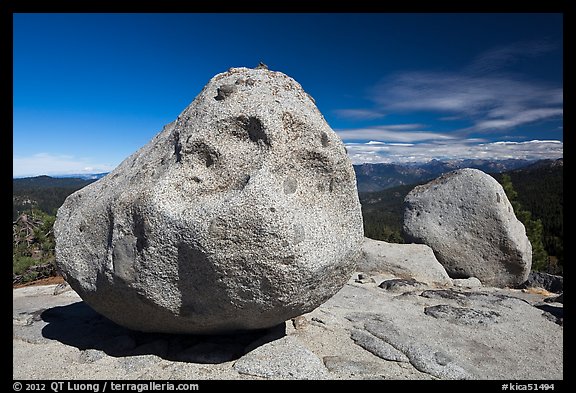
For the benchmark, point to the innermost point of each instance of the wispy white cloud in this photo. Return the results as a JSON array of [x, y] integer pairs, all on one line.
[[389, 144], [503, 56], [392, 133], [50, 164], [476, 97], [455, 149], [508, 121], [481, 93], [359, 114], [405, 126], [482, 99]]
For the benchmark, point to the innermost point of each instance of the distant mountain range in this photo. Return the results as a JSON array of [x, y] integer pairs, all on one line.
[[43, 182], [84, 176], [369, 177], [378, 177]]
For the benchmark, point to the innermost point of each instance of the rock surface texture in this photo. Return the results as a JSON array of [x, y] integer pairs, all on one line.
[[241, 214], [362, 332], [466, 218], [404, 260], [549, 282]]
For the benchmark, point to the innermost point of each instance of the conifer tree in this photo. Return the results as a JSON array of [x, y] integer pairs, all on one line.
[[534, 228]]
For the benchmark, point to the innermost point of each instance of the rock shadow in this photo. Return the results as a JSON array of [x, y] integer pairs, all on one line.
[[554, 313], [80, 326]]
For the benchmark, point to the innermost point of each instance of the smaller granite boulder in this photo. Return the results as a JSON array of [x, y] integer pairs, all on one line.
[[470, 282], [466, 218], [415, 261]]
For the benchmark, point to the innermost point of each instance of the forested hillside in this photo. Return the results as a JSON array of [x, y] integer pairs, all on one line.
[[382, 213], [44, 193], [35, 201], [540, 191]]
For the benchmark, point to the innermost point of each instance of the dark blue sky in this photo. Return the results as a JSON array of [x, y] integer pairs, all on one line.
[[90, 89]]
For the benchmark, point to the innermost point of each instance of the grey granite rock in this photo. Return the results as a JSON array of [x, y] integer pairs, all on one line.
[[396, 284], [376, 346], [65, 339], [300, 322], [364, 279], [463, 315], [342, 365], [553, 312], [466, 218], [61, 288], [474, 298], [239, 215], [471, 282], [424, 357], [138, 363], [415, 261], [90, 355], [549, 282], [285, 358]]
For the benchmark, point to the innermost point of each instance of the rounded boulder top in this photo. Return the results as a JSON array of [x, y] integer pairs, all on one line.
[[240, 214]]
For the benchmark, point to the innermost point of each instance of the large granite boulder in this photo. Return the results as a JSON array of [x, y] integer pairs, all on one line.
[[240, 214], [466, 218]]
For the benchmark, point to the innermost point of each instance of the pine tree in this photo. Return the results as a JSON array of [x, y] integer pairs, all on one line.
[[33, 246], [534, 228]]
